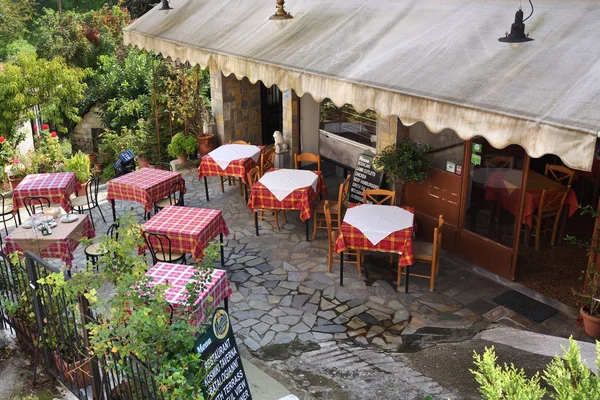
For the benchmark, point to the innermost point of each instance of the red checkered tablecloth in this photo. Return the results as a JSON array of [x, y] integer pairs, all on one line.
[[57, 187], [190, 229], [300, 199], [60, 244], [350, 238], [144, 186], [238, 168], [177, 277]]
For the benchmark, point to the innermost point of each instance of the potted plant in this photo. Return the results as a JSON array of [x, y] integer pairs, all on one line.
[[93, 157], [181, 145], [79, 163]]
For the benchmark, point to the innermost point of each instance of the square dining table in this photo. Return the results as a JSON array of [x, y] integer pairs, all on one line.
[[375, 227], [60, 244], [190, 229], [145, 186], [229, 160], [56, 186], [287, 189], [177, 276]]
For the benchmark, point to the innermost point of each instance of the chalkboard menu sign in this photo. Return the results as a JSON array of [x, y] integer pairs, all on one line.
[[226, 379], [366, 176]]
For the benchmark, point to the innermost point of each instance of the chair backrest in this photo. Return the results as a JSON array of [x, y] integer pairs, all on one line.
[[560, 174], [3, 201], [91, 190], [552, 200], [253, 176], [176, 192], [437, 240], [267, 160], [307, 157], [327, 212], [31, 202], [238, 142], [158, 243], [343, 199], [163, 166], [113, 231], [379, 196], [499, 162]]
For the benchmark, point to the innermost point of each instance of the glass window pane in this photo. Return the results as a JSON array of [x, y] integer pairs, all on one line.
[[494, 191], [447, 146], [347, 122]]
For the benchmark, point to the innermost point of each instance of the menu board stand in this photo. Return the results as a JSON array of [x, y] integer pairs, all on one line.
[[366, 176]]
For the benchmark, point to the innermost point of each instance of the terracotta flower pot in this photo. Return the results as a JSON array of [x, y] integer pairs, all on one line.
[[143, 162], [590, 324], [206, 143], [14, 182], [77, 373], [182, 159], [93, 157]]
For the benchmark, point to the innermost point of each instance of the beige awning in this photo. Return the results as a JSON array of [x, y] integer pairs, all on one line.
[[433, 61]]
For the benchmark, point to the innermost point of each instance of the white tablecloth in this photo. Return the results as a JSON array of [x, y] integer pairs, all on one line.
[[377, 222], [225, 154], [282, 182]]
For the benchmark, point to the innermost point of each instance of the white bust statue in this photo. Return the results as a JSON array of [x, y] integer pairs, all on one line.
[[280, 144]]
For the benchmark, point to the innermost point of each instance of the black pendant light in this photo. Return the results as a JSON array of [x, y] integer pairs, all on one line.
[[517, 30], [165, 6]]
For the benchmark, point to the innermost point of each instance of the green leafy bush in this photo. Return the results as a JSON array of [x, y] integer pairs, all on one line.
[[182, 144], [80, 164], [405, 162]]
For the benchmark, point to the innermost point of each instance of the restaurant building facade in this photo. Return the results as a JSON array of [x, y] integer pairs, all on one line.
[[427, 70]]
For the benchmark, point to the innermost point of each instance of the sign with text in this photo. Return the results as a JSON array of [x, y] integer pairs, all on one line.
[[367, 175], [225, 379]]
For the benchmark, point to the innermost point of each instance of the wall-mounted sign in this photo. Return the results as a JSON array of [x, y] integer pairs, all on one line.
[[476, 147], [459, 170], [226, 378], [450, 166], [475, 159], [367, 175]]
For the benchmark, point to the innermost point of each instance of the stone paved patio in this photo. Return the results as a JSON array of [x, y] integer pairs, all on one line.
[[283, 294]]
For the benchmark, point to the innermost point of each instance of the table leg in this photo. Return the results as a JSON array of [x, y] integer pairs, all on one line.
[[114, 210], [342, 268], [307, 230], [407, 277], [256, 221], [222, 250], [206, 188]]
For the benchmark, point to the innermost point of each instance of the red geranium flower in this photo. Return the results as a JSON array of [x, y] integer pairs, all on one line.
[[45, 126], [2, 140], [53, 134], [35, 128]]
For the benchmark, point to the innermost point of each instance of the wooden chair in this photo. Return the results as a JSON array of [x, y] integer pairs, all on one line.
[[428, 253], [231, 178], [332, 236], [267, 160], [338, 209], [30, 202], [160, 248], [560, 174], [89, 201], [174, 198], [253, 176], [379, 196], [549, 212], [307, 157], [499, 162]]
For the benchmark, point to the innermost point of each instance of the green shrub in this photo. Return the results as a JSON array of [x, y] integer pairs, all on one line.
[[405, 162], [182, 144]]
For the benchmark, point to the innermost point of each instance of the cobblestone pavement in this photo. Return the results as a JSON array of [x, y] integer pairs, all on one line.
[[284, 300]]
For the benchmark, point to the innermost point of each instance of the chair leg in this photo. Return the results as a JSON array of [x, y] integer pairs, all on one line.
[[399, 280], [315, 223], [391, 258], [222, 187], [432, 278], [92, 218], [358, 256], [284, 217], [5, 228], [241, 189], [101, 214], [330, 258], [276, 214]]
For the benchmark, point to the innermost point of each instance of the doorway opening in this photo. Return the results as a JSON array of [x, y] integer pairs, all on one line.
[[272, 112]]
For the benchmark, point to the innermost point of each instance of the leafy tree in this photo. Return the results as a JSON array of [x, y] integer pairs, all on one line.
[[52, 84], [14, 16]]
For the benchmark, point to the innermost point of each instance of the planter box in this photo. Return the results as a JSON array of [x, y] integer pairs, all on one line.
[[78, 374]]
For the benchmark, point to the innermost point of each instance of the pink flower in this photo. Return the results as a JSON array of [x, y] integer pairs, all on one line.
[[17, 161], [53, 134], [45, 126], [35, 128], [2, 140]]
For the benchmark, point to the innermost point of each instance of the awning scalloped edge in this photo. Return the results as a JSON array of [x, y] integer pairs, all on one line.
[[574, 147]]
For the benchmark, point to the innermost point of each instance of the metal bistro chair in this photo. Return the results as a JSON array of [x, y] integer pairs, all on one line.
[[161, 249], [30, 202], [308, 158], [252, 179], [94, 251], [90, 200], [175, 197], [338, 209], [7, 211], [163, 166]]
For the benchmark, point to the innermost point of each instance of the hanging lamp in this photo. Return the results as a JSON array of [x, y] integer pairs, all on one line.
[[517, 33], [165, 6], [281, 16]]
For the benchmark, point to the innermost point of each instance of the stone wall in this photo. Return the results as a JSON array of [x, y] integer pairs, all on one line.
[[389, 131], [81, 137], [291, 122], [237, 108]]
